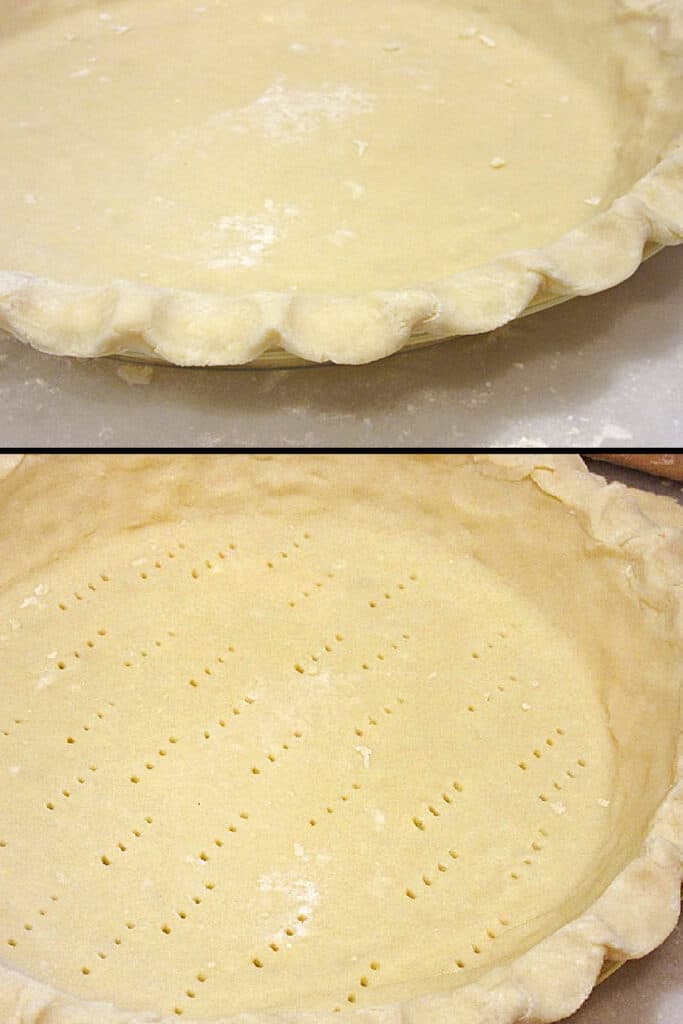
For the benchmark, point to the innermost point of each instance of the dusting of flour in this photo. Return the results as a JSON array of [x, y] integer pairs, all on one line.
[[303, 894], [244, 239], [290, 114]]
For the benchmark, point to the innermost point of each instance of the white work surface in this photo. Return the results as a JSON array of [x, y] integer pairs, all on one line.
[[602, 371], [648, 991]]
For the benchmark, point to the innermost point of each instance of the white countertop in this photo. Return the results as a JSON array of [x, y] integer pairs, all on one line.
[[604, 371], [648, 991]]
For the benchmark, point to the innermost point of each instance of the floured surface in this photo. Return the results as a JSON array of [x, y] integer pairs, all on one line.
[[239, 147], [297, 760]]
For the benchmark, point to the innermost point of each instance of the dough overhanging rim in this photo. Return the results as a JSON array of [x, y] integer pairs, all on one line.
[[636, 912], [205, 329]]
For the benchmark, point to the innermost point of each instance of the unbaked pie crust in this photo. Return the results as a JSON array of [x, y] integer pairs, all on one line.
[[203, 183], [295, 737]]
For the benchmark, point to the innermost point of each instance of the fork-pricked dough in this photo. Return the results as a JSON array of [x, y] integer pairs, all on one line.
[[320, 734]]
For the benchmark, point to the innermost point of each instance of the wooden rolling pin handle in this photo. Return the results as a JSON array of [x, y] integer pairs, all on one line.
[[670, 466]]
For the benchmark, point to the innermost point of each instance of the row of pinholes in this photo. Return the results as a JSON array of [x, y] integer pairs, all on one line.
[[363, 983], [271, 758], [381, 656], [121, 846], [427, 882], [291, 930], [90, 589], [446, 797], [205, 733], [373, 720], [501, 634], [334, 804], [328, 647], [285, 552], [427, 879], [146, 574], [570, 774], [28, 926], [89, 644], [208, 671], [260, 962], [312, 588], [77, 654], [536, 846], [208, 565], [500, 688], [196, 901], [144, 652], [104, 577], [61, 665], [538, 752], [203, 858], [102, 954], [95, 719], [377, 602], [477, 948], [81, 779], [66, 793], [202, 976]]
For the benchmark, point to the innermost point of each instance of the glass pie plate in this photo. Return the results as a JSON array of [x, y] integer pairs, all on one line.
[[279, 359]]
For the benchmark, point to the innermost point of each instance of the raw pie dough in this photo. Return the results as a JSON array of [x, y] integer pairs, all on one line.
[[297, 151], [328, 733]]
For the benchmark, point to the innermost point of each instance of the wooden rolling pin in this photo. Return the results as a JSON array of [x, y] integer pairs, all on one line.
[[670, 466]]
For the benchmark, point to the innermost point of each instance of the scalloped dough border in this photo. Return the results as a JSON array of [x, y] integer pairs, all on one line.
[[639, 908], [196, 329]]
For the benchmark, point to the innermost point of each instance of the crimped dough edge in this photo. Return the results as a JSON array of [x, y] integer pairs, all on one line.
[[638, 909], [209, 329]]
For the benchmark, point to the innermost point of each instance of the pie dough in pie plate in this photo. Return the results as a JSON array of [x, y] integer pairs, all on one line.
[[285, 738], [209, 184]]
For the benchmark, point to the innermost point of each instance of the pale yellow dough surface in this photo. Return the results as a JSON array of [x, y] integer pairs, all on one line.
[[311, 733], [236, 147], [212, 183]]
